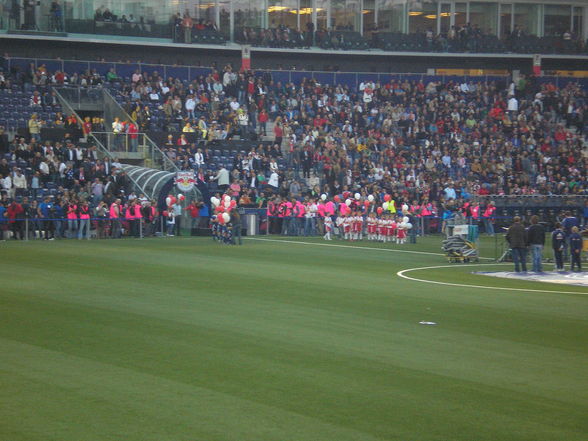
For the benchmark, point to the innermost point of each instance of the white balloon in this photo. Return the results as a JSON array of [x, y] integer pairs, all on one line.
[[405, 219], [180, 196], [402, 225], [226, 217], [404, 208], [168, 201], [227, 204], [216, 202], [385, 206], [408, 225], [212, 198], [324, 197], [227, 198], [357, 196], [371, 198], [348, 202]]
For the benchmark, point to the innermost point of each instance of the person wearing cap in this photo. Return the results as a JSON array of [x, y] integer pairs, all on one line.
[[517, 239]]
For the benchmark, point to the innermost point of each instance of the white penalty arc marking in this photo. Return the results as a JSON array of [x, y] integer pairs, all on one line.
[[463, 285], [390, 250]]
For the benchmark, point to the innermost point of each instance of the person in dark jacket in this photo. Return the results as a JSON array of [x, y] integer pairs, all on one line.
[[558, 240], [567, 224], [536, 239], [576, 249], [237, 226], [517, 239]]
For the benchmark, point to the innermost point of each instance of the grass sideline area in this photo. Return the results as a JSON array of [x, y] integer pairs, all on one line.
[[183, 339]]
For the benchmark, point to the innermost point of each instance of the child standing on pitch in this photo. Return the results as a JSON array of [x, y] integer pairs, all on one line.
[[328, 224], [401, 232], [372, 225], [347, 221], [171, 222]]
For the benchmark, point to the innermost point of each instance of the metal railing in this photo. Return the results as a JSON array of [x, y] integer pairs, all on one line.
[[80, 96], [135, 146]]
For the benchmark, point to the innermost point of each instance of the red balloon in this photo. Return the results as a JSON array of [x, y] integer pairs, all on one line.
[[165, 213], [387, 197], [233, 203], [346, 195], [182, 198], [379, 210], [219, 209], [337, 198], [366, 203], [220, 220]]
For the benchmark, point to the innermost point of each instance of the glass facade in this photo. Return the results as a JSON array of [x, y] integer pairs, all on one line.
[[391, 15], [557, 19], [505, 20], [484, 16], [422, 16], [527, 18], [345, 15], [155, 18]]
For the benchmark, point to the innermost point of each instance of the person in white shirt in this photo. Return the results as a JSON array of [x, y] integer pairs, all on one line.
[[19, 181], [6, 186], [199, 159], [513, 105], [243, 123], [44, 169], [117, 129], [234, 105], [222, 178], [190, 106], [274, 181]]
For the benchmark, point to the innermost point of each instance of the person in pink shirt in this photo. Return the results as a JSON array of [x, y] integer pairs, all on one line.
[[234, 189], [72, 219], [330, 208], [299, 211], [84, 212], [287, 221]]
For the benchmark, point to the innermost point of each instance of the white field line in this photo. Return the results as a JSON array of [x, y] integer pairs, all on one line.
[[414, 279], [352, 246]]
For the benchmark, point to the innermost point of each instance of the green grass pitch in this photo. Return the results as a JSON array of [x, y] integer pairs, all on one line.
[[183, 339]]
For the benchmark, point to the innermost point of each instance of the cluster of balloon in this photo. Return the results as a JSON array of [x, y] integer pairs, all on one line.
[[222, 208], [405, 223], [170, 200]]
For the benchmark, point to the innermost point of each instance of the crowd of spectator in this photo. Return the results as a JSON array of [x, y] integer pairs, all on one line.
[[521, 138], [421, 143]]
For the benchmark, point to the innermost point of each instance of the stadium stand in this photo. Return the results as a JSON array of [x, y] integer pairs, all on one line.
[[429, 141]]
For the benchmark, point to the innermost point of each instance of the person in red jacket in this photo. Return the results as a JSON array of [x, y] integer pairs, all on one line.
[[84, 225], [14, 213], [194, 210], [133, 133], [262, 118], [489, 218]]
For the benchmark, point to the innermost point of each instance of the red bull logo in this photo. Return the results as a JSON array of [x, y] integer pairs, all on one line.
[[185, 180]]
